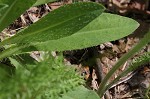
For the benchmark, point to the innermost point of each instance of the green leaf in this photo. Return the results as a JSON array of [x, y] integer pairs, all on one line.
[[24, 60], [145, 40], [61, 22], [136, 63], [13, 10], [106, 27], [39, 2], [80, 93]]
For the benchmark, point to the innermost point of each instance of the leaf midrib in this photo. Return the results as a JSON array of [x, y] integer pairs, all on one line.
[[87, 32], [84, 32], [46, 28], [16, 48]]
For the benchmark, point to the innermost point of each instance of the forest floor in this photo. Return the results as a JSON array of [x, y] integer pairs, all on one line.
[[132, 86]]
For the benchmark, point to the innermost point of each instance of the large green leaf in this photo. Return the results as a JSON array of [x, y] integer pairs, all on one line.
[[59, 23], [39, 2], [106, 27], [80, 93], [13, 10]]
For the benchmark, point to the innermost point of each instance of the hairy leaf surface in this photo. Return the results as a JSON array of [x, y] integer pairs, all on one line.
[[13, 9], [106, 27], [61, 22]]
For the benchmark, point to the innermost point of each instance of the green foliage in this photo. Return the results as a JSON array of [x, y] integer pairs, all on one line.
[[39, 2], [52, 27], [80, 93], [48, 79], [13, 10], [68, 34], [2, 7], [137, 62], [24, 60], [143, 42], [145, 58], [73, 26], [147, 94], [100, 30]]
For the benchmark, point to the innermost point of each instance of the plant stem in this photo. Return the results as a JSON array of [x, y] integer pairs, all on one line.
[[121, 61]]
